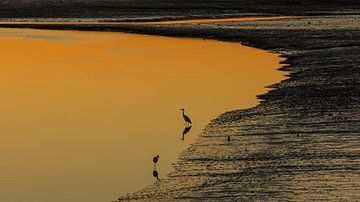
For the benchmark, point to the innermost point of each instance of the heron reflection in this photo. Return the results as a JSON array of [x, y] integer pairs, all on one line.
[[156, 174], [186, 130]]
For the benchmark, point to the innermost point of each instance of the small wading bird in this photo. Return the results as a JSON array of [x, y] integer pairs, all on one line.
[[186, 118], [156, 159]]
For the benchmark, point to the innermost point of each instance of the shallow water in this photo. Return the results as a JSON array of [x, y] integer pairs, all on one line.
[[83, 113]]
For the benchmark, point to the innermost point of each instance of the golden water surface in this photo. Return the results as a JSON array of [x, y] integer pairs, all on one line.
[[83, 113]]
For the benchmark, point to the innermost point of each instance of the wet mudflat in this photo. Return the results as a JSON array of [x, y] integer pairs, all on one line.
[[302, 142], [84, 113]]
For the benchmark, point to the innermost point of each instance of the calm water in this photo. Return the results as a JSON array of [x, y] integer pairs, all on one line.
[[83, 113]]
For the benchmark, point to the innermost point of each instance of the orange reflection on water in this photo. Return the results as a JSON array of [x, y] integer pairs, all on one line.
[[83, 113]]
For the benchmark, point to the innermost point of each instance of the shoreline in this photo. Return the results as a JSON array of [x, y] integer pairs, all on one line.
[[301, 140]]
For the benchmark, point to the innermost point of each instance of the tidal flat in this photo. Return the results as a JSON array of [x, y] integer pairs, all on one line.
[[300, 143]]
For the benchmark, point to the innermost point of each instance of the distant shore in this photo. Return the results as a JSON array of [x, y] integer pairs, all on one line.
[[301, 143], [140, 10]]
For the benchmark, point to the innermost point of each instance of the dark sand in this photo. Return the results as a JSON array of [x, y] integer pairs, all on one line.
[[301, 143], [136, 10]]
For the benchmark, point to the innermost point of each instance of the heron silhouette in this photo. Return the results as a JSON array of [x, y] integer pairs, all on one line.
[[186, 130], [186, 118], [156, 159]]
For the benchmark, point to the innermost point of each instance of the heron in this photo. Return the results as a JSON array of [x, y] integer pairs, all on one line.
[[156, 159], [186, 118]]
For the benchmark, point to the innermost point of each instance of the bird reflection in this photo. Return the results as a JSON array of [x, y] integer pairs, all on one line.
[[156, 174], [186, 130]]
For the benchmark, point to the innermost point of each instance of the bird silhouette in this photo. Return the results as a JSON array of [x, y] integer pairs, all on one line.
[[186, 118], [156, 159], [156, 174], [186, 130]]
